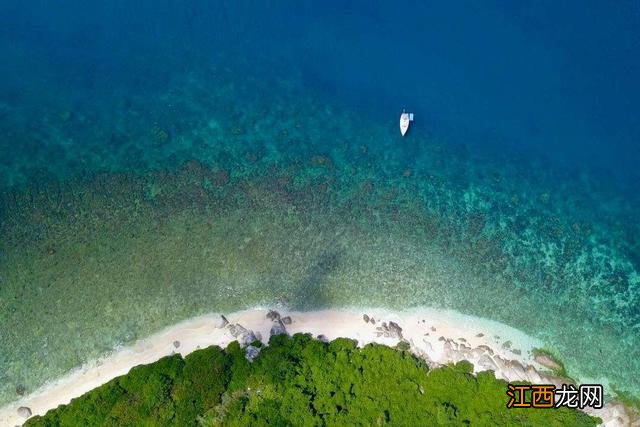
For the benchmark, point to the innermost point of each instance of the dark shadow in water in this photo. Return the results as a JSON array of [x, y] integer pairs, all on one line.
[[310, 292]]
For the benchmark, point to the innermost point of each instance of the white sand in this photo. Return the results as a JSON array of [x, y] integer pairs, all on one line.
[[437, 335]]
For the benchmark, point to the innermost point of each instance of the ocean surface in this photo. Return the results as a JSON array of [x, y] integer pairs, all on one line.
[[163, 159]]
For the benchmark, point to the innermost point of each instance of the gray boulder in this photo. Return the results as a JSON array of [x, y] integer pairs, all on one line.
[[24, 412], [273, 315], [286, 320], [487, 363], [277, 328], [251, 352], [222, 322], [391, 330], [395, 329], [245, 336], [547, 362], [237, 329]]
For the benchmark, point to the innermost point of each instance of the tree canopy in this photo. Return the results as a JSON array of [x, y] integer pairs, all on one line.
[[301, 381]]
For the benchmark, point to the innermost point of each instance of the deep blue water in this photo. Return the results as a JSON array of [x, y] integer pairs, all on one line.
[[523, 159], [560, 79]]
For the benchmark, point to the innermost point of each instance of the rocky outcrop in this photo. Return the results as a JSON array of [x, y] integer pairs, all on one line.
[[222, 322], [24, 411], [286, 320], [390, 330], [237, 329], [277, 328], [547, 362], [245, 336], [20, 390], [273, 315], [251, 352], [486, 363]]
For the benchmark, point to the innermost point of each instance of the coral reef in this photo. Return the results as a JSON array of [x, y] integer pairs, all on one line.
[[111, 231]]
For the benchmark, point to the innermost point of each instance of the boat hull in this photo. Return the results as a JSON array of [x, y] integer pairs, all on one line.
[[404, 123]]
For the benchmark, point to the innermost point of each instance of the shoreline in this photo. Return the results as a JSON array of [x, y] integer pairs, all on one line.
[[438, 336]]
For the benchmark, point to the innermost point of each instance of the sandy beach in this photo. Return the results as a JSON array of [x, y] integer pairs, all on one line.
[[439, 336]]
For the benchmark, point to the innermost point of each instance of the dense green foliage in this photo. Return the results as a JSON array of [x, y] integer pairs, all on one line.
[[302, 381]]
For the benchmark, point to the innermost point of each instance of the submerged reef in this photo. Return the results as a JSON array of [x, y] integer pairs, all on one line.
[[301, 381], [281, 197]]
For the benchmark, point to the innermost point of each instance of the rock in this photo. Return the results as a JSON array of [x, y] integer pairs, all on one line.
[[365, 318], [486, 363], [247, 338], [244, 335], [462, 339], [277, 328], [516, 351], [533, 375], [427, 345], [24, 412], [433, 329], [176, 344], [323, 338], [507, 344], [547, 362], [450, 348], [513, 370], [251, 352], [372, 320], [392, 330], [477, 352], [395, 330], [286, 320], [273, 315], [237, 330], [480, 335], [20, 390], [486, 348], [222, 322]]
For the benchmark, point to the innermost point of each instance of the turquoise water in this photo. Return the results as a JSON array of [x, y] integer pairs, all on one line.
[[158, 162]]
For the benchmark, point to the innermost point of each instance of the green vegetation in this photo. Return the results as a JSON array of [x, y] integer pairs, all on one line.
[[302, 381]]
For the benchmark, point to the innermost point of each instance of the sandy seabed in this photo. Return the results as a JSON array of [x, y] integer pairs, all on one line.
[[439, 336]]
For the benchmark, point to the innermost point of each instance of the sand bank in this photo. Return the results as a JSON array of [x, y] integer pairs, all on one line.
[[437, 335]]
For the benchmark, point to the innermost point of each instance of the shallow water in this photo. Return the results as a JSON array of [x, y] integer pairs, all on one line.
[[158, 162]]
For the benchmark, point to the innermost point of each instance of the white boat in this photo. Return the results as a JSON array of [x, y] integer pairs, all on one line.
[[405, 119]]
